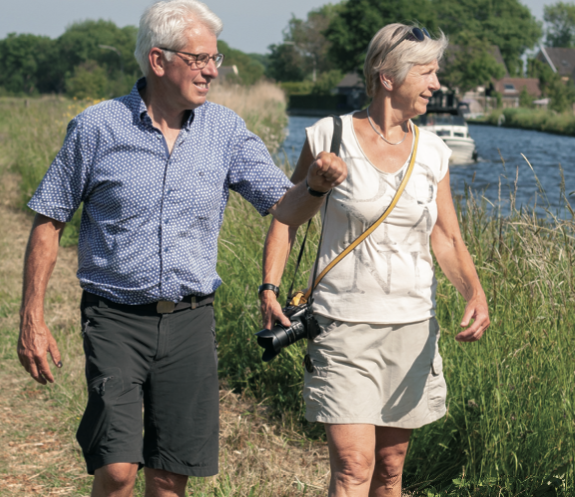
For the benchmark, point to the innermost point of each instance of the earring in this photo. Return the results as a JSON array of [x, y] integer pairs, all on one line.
[[386, 84]]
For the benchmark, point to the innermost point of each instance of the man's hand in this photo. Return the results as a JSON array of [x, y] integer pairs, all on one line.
[[326, 172], [272, 310], [477, 310], [34, 343]]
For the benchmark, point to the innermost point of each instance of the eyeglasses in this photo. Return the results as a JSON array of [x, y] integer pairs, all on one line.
[[414, 34], [200, 60]]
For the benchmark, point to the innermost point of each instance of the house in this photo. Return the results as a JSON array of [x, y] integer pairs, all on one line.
[[510, 89], [353, 89], [561, 60]]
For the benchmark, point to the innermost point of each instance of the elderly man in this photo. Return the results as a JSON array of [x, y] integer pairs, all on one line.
[[153, 170]]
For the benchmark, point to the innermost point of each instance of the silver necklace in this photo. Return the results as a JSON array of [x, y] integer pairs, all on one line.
[[383, 137]]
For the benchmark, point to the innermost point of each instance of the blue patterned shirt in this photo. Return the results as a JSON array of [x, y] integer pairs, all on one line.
[[151, 220]]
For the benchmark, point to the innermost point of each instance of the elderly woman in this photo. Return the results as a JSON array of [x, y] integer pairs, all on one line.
[[375, 372]]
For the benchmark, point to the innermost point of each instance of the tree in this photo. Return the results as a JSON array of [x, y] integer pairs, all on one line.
[[304, 51], [469, 64], [249, 68], [560, 24], [358, 20], [505, 23], [286, 63], [25, 63], [561, 93], [88, 81]]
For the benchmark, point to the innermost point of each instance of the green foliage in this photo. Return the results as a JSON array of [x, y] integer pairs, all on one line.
[[286, 63], [560, 24], [327, 82], [304, 52], [525, 98], [506, 23], [37, 64], [26, 63], [470, 63], [88, 80], [250, 69], [561, 93], [536, 119], [358, 21]]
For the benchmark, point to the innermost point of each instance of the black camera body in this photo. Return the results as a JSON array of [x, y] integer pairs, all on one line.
[[303, 325]]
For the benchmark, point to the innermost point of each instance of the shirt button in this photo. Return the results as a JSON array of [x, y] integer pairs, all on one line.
[[166, 249]]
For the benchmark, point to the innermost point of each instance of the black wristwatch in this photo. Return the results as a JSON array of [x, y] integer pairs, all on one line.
[[268, 286], [315, 193]]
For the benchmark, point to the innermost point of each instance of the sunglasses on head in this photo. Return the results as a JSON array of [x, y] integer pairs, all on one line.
[[414, 34]]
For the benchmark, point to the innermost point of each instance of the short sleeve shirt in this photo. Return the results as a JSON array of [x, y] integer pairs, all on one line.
[[389, 277], [151, 219]]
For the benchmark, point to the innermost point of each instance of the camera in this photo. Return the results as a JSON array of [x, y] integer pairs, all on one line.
[[303, 325]]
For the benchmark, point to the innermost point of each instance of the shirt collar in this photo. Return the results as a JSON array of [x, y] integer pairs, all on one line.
[[138, 106]]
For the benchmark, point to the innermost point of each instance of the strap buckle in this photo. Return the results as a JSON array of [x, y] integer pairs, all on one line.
[[165, 307]]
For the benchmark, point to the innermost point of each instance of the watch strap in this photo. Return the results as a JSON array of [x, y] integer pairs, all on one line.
[[315, 193], [268, 286]]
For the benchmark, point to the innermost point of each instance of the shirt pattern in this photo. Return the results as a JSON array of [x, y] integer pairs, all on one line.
[[151, 219]]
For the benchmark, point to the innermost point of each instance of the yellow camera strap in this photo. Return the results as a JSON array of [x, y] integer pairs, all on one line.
[[374, 226]]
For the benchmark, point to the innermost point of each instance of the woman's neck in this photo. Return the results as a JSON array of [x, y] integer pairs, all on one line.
[[390, 120]]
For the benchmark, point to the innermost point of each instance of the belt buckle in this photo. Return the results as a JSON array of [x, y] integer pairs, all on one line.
[[165, 307], [194, 302]]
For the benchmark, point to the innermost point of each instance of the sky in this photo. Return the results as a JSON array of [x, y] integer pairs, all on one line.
[[249, 25]]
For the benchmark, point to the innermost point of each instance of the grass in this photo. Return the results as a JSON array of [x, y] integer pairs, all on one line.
[[510, 428], [535, 119]]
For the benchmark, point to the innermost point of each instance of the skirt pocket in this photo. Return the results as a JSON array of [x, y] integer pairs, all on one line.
[[436, 387]]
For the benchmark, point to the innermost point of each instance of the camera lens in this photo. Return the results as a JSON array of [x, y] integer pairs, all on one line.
[[274, 340]]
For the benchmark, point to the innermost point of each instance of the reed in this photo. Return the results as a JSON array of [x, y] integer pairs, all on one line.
[[510, 428], [535, 119]]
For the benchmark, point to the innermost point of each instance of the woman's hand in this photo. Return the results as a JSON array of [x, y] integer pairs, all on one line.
[[272, 310], [477, 310], [326, 172]]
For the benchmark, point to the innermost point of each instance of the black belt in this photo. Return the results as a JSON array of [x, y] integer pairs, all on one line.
[[160, 307]]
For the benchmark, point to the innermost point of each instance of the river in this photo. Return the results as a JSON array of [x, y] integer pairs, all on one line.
[[499, 161]]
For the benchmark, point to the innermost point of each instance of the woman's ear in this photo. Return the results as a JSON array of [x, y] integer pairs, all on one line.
[[385, 82]]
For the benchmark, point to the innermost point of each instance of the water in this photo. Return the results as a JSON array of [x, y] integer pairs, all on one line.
[[500, 160]]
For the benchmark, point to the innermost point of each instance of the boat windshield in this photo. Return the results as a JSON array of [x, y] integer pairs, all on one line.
[[441, 120]]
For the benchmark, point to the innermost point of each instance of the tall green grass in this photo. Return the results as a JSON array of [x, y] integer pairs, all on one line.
[[510, 427], [536, 119]]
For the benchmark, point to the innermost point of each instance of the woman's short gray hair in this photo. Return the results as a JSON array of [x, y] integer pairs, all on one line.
[[166, 24], [402, 58]]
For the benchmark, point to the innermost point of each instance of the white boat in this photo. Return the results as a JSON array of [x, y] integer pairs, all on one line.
[[454, 132]]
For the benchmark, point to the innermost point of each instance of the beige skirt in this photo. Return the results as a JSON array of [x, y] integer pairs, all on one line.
[[383, 375]]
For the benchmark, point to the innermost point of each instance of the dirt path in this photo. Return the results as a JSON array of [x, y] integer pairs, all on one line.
[[38, 452]]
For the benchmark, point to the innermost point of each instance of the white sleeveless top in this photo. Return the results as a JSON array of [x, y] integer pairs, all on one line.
[[389, 277]]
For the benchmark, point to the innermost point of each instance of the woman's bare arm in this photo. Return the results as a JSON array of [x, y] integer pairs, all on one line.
[[277, 248], [455, 261]]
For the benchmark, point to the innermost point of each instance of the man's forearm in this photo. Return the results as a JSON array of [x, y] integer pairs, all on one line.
[[40, 259]]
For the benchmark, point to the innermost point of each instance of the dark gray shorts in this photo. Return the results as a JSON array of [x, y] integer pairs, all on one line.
[[168, 364]]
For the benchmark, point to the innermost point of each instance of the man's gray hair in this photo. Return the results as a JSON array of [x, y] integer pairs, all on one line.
[[402, 58], [167, 23]]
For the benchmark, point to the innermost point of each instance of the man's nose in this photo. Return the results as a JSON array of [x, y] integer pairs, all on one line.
[[210, 69]]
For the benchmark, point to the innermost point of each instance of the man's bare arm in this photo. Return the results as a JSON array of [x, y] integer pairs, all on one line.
[[35, 339]]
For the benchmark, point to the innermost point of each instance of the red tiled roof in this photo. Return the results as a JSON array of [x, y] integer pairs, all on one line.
[[512, 87]]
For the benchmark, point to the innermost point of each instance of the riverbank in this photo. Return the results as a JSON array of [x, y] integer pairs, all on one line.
[[534, 119], [510, 426]]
